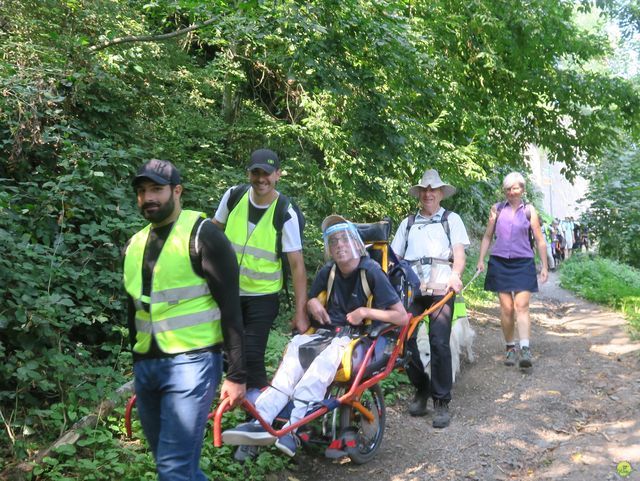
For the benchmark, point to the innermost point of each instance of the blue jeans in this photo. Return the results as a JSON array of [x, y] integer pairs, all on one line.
[[174, 396]]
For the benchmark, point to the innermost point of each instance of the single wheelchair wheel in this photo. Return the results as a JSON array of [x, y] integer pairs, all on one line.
[[368, 435]]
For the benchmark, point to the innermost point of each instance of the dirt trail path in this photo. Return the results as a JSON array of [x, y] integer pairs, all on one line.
[[574, 417]]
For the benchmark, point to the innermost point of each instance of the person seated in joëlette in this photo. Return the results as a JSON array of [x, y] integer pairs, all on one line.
[[345, 309]]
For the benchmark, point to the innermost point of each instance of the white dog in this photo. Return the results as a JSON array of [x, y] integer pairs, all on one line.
[[462, 335]]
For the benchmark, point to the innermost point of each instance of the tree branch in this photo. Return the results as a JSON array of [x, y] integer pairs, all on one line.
[[149, 38]]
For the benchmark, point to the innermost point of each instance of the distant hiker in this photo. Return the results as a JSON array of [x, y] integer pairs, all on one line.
[[264, 228], [558, 243], [511, 271], [433, 240], [181, 279], [548, 233], [566, 229]]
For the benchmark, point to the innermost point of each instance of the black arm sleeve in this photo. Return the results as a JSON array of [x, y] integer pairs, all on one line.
[[220, 269], [131, 321], [131, 309]]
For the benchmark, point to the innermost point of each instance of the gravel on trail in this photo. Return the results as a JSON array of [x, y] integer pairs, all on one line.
[[575, 416]]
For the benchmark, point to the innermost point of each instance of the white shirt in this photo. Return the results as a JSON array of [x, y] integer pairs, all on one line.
[[427, 238], [291, 240], [567, 229]]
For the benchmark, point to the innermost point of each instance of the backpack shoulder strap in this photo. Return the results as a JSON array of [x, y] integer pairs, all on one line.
[[499, 206], [330, 280], [235, 195], [279, 216], [365, 267], [532, 240], [444, 220], [365, 284], [411, 219]]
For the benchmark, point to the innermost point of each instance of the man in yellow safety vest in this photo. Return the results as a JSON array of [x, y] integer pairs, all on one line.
[[263, 227], [181, 279]]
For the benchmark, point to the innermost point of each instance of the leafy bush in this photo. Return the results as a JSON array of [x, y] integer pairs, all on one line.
[[606, 282], [613, 216]]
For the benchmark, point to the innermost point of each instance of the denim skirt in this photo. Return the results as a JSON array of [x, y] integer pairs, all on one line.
[[511, 275]]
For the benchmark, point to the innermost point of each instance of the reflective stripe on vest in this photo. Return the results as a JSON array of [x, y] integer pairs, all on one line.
[[180, 322], [183, 316], [254, 251], [260, 265]]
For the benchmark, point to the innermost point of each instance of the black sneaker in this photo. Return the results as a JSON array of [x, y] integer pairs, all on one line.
[[418, 406], [441, 418], [245, 452], [510, 357], [525, 361]]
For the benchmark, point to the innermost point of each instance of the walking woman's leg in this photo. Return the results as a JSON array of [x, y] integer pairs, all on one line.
[[521, 302], [507, 316], [521, 306], [507, 321]]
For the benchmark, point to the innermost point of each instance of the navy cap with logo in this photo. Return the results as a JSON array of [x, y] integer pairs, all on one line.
[[264, 159], [161, 172]]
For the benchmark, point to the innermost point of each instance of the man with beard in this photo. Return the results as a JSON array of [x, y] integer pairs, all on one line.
[[264, 230], [181, 278]]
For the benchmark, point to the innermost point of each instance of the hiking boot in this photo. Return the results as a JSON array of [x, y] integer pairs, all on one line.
[[418, 406], [525, 361], [441, 418], [245, 452], [510, 357], [287, 444], [251, 433]]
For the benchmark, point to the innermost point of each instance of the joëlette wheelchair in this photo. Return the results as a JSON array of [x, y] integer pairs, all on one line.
[[350, 421]]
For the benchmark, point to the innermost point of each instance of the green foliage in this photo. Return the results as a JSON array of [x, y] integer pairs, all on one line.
[[613, 217], [474, 293], [396, 387], [606, 282], [358, 97]]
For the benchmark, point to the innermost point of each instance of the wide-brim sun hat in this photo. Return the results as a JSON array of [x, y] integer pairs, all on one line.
[[432, 179]]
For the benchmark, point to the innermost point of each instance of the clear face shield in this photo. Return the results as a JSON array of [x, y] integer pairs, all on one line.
[[343, 243]]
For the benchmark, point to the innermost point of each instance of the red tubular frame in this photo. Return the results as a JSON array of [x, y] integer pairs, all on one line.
[[350, 398], [127, 414]]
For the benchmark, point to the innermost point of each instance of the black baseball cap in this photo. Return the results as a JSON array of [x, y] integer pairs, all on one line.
[[264, 159], [162, 172]]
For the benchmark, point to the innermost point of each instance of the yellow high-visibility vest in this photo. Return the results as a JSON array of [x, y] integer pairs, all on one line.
[[182, 316], [260, 265]]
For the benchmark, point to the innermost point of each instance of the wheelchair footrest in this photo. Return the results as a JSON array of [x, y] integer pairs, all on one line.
[[335, 451], [338, 447]]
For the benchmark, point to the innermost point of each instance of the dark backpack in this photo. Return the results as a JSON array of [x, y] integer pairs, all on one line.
[[403, 279], [399, 272], [279, 218], [527, 212]]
